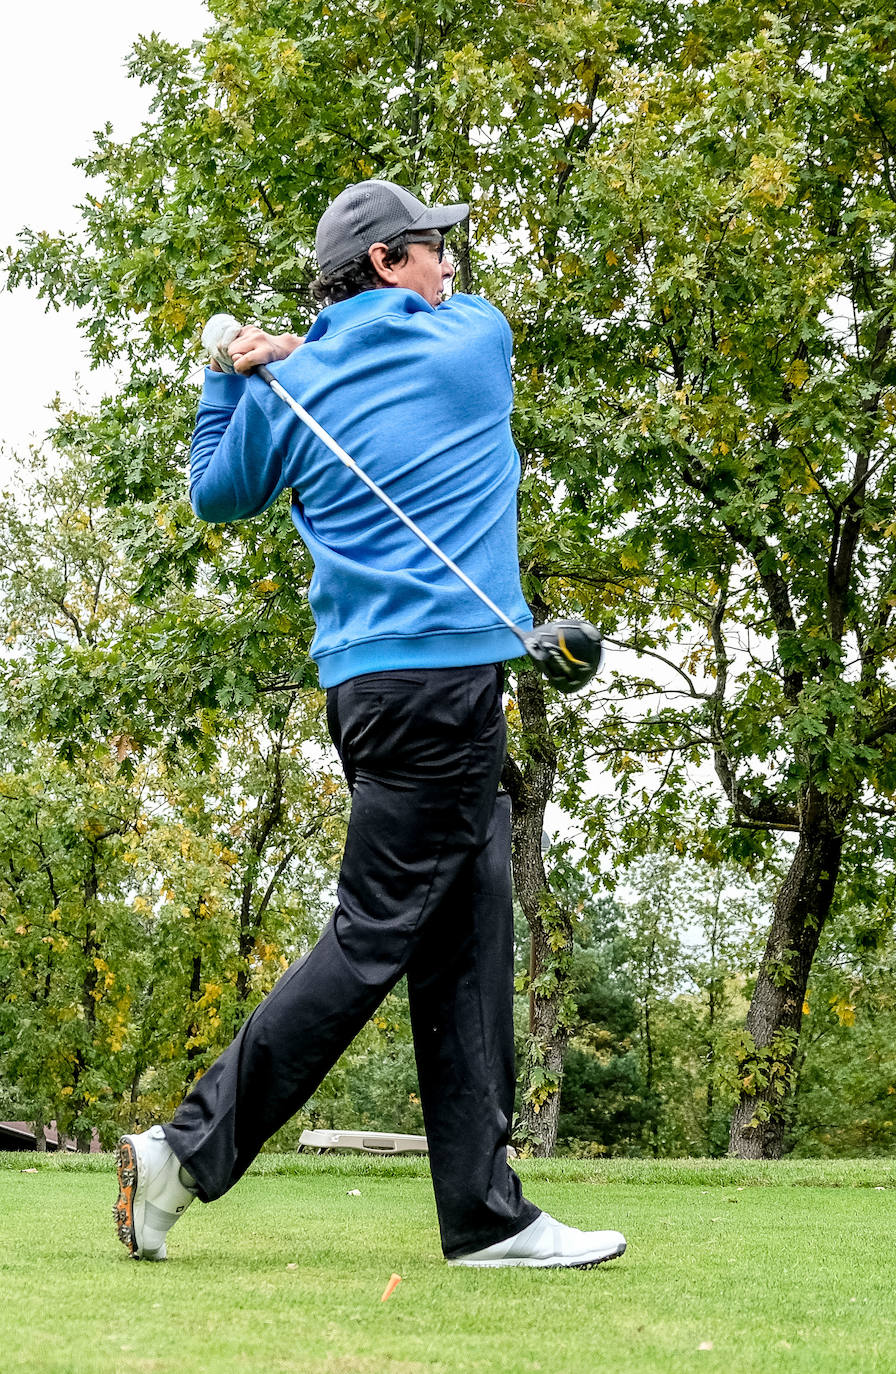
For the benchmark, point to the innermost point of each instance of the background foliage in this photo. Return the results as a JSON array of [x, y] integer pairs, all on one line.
[[687, 216]]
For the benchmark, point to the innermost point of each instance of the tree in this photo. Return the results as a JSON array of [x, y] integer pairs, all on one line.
[[845, 1072], [746, 201], [605, 1106], [725, 909], [204, 211], [67, 937], [146, 903]]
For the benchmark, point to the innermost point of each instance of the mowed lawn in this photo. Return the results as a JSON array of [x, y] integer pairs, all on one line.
[[730, 1267]]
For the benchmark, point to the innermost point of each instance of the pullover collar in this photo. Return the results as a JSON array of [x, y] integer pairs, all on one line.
[[366, 306]]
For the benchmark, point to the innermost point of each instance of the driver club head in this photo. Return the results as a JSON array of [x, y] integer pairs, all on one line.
[[568, 652]]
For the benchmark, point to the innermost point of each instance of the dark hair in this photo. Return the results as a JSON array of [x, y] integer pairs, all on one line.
[[357, 275]]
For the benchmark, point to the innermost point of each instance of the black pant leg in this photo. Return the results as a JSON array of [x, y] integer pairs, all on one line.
[[460, 985]]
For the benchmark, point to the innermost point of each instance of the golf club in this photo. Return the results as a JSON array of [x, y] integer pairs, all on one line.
[[567, 652]]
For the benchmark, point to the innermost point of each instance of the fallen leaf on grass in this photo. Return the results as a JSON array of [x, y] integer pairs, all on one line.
[[292, 1266], [705, 1345]]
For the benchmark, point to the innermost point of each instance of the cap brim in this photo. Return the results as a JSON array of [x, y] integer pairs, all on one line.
[[441, 216]]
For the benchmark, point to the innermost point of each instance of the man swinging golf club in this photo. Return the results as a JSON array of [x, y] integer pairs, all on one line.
[[419, 393]]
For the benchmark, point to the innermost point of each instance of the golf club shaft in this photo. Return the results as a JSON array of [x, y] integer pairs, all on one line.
[[346, 458]]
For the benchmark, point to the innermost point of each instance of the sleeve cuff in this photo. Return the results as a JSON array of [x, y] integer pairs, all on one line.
[[223, 389]]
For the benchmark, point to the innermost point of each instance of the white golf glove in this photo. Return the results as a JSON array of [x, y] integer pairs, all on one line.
[[217, 336]]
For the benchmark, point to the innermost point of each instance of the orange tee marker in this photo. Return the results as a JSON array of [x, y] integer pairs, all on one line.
[[391, 1287]]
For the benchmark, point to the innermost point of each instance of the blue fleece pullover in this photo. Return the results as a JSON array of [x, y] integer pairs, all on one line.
[[421, 399]]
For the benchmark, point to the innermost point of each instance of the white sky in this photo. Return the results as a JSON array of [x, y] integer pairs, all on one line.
[[62, 78]]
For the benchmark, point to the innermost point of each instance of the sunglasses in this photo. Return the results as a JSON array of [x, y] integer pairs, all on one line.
[[432, 241]]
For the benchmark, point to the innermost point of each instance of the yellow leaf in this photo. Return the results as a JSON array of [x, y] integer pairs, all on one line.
[[806, 1008], [212, 993], [612, 258], [844, 1011], [768, 180], [797, 374]]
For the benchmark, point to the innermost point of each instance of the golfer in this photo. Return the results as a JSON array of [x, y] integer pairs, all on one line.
[[419, 390]]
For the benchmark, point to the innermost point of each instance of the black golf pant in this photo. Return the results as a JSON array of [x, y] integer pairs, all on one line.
[[424, 889]]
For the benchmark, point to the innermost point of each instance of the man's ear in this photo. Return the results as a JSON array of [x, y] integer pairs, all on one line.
[[377, 254]]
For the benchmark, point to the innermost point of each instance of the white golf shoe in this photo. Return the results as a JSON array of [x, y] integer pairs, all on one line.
[[548, 1244], [152, 1194]]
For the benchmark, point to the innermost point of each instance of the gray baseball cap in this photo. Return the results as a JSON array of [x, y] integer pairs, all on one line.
[[374, 212]]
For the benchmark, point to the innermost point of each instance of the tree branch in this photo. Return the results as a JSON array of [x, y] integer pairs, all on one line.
[[651, 653]]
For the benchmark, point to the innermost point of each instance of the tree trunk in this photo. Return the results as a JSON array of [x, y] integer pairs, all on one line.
[[775, 1015], [550, 929], [193, 1049], [245, 947], [40, 1139], [648, 1047], [544, 1060], [712, 1006], [133, 1117], [268, 815]]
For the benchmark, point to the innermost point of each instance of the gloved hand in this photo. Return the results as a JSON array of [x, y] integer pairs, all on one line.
[[218, 334], [256, 347]]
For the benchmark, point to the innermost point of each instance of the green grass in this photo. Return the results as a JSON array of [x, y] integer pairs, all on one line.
[[286, 1272]]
